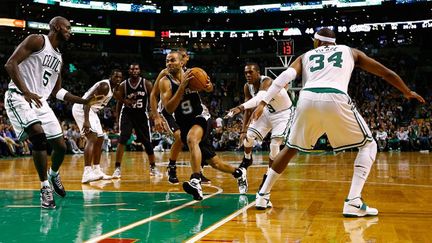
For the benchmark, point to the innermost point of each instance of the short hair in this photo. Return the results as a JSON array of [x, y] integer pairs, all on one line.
[[135, 64], [255, 65], [115, 70], [178, 54], [326, 32]]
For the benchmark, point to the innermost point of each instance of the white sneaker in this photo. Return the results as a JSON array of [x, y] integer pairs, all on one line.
[[117, 173], [357, 208], [154, 171], [102, 175], [89, 176], [193, 187], [263, 201], [242, 181]]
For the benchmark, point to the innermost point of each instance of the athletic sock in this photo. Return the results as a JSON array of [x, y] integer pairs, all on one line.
[[272, 177]]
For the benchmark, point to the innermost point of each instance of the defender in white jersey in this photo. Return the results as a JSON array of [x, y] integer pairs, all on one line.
[[276, 118], [35, 70], [88, 121], [325, 107]]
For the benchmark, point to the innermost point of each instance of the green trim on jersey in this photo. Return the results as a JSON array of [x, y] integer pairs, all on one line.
[[324, 90]]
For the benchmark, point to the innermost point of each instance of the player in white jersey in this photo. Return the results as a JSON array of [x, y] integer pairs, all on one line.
[[325, 107], [35, 70], [276, 118], [89, 123]]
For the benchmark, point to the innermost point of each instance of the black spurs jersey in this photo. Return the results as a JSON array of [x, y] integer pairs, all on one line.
[[139, 95], [190, 106]]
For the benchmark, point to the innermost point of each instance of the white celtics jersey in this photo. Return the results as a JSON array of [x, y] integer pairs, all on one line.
[[328, 67], [40, 70], [279, 103], [102, 102]]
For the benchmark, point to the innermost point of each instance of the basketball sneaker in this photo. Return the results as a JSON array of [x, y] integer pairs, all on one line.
[[154, 171], [205, 180], [193, 187], [117, 173], [56, 184], [246, 162], [262, 201], [47, 198], [242, 181], [357, 208], [172, 174], [101, 174], [89, 175]]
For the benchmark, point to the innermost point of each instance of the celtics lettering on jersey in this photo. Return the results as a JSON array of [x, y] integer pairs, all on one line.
[[52, 63]]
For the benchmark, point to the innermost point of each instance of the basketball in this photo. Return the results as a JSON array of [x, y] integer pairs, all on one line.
[[199, 80]]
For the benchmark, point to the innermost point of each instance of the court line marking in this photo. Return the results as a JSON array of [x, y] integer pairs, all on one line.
[[220, 223], [22, 206], [143, 221], [172, 200], [368, 182], [104, 204]]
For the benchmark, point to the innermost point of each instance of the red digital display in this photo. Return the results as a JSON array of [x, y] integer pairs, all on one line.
[[285, 47]]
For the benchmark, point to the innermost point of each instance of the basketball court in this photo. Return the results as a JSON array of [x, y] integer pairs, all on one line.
[[307, 202]]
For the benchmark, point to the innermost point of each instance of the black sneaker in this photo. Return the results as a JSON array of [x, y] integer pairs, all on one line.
[[193, 187], [246, 162], [172, 174], [57, 184], [46, 198], [205, 180]]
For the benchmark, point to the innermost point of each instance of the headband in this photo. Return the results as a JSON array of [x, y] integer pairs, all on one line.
[[324, 38]]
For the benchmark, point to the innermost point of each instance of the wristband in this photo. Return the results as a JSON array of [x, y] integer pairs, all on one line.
[[61, 94]]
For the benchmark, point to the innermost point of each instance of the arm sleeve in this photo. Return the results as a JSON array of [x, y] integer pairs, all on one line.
[[251, 103], [279, 83]]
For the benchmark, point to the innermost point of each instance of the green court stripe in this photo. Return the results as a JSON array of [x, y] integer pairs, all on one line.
[[143, 221]]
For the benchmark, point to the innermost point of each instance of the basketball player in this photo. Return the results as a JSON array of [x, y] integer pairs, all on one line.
[[88, 121], [277, 115], [325, 107], [158, 119], [132, 107], [193, 118], [35, 70]]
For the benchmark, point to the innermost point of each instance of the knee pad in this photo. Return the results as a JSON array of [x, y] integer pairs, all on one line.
[[365, 159], [39, 142], [275, 147], [248, 142]]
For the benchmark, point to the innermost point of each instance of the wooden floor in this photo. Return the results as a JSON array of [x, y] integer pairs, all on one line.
[[307, 199]]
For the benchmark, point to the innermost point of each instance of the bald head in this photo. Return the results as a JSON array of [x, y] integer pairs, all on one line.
[[57, 21]]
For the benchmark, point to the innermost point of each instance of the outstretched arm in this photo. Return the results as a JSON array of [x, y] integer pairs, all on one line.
[[372, 66]]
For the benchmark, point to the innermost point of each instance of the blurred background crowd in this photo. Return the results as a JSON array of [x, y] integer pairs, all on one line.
[[397, 124]]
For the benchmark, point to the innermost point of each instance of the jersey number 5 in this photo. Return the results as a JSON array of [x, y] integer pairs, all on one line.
[[46, 77], [336, 59]]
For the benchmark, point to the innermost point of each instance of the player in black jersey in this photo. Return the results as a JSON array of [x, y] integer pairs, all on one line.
[[132, 107], [193, 118], [164, 121]]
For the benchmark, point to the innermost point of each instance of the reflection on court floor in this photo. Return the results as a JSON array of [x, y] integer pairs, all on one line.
[[82, 216]]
